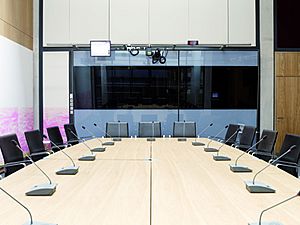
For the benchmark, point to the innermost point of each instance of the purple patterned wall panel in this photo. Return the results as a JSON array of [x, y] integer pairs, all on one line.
[[56, 117], [16, 120]]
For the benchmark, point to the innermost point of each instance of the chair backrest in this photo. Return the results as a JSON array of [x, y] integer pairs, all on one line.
[[55, 136], [267, 145], [9, 151], [117, 129], [149, 129], [34, 141], [71, 138], [290, 140], [184, 129], [232, 128], [247, 135]]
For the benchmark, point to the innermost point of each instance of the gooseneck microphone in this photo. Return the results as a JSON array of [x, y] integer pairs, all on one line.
[[208, 149], [222, 157], [38, 190], [288, 151], [265, 210], [70, 170], [99, 149], [254, 187], [30, 215], [107, 134], [31, 221], [249, 149], [30, 159], [240, 168], [197, 143], [90, 157]]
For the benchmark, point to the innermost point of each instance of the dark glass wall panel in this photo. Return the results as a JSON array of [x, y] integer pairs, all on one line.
[[233, 87], [287, 19], [83, 93], [191, 89], [165, 87]]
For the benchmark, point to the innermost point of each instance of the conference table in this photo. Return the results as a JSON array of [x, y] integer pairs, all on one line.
[[163, 182]]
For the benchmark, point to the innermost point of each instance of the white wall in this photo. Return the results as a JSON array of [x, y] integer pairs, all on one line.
[[56, 89], [16, 76], [16, 90], [149, 21], [56, 79]]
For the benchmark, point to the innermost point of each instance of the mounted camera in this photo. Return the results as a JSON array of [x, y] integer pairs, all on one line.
[[157, 56]]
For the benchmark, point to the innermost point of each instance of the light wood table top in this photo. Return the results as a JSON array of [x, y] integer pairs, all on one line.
[[182, 185], [189, 187]]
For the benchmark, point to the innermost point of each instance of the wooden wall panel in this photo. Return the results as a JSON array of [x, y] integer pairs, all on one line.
[[287, 64], [287, 94], [16, 21]]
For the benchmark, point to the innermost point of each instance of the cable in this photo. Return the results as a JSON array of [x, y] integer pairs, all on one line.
[[134, 51]]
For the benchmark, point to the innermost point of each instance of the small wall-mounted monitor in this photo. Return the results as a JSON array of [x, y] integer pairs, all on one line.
[[100, 48]]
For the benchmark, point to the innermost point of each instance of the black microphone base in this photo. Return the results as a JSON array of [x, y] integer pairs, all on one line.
[[42, 190], [211, 150], [117, 139], [87, 158], [70, 170], [221, 158], [266, 223], [99, 149], [240, 169], [108, 143], [258, 187], [197, 143], [39, 223], [181, 139], [150, 139]]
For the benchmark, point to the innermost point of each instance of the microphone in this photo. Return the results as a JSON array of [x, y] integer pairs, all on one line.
[[70, 170], [42, 189], [239, 168], [222, 157], [99, 149], [208, 149], [31, 222], [253, 187], [108, 142], [197, 143], [271, 207], [90, 157]]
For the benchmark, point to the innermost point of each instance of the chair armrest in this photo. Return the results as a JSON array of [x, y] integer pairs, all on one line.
[[40, 153], [260, 153], [287, 165], [60, 146], [7, 165]]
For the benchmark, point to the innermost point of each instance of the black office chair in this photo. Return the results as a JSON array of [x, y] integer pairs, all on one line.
[[71, 136], [117, 129], [55, 136], [35, 144], [265, 149], [149, 129], [184, 129], [290, 162], [231, 134], [13, 157], [246, 138]]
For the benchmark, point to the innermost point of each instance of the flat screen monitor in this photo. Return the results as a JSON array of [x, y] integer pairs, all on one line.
[[100, 48]]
